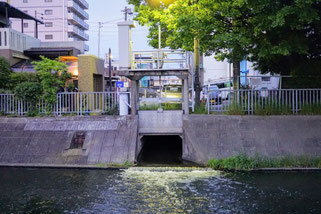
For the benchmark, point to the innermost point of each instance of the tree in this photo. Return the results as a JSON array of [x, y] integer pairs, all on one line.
[[53, 75], [279, 36], [5, 72]]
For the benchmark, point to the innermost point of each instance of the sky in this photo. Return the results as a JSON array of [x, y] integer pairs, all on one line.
[[106, 11]]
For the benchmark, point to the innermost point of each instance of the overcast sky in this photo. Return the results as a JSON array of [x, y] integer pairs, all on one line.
[[110, 10]]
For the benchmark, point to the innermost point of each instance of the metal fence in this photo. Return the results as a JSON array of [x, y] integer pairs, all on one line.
[[280, 101], [67, 103]]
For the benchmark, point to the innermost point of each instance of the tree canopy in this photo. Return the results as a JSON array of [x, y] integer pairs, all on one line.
[[279, 36]]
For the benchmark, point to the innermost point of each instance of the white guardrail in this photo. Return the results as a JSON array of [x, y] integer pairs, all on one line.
[[67, 103], [250, 101]]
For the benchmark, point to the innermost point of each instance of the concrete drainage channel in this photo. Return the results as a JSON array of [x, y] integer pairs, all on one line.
[[160, 149]]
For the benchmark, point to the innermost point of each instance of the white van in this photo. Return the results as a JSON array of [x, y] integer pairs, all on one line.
[[224, 86]]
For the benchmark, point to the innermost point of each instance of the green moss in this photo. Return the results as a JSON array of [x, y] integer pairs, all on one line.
[[126, 164], [243, 162]]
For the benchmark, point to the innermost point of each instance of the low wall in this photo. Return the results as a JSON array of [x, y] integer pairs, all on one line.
[[48, 140], [208, 136]]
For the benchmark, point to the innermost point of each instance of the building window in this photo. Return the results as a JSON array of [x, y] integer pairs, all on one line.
[[49, 37], [48, 24], [48, 12], [48, 0], [25, 25], [25, 1], [266, 79]]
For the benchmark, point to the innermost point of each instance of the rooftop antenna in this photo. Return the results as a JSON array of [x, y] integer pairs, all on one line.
[[127, 11]]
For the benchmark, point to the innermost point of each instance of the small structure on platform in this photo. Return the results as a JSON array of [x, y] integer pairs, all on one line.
[[161, 63]]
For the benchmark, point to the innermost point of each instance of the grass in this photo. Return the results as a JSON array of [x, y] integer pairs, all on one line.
[[272, 109], [200, 109], [243, 162], [235, 109], [165, 106], [314, 109]]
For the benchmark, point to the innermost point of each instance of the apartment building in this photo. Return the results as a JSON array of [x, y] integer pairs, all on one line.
[[64, 20]]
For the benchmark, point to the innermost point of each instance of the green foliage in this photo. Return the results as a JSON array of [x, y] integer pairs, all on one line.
[[235, 109], [280, 36], [272, 109], [5, 72], [200, 109], [21, 77], [165, 106], [53, 75], [29, 91], [243, 162], [311, 109]]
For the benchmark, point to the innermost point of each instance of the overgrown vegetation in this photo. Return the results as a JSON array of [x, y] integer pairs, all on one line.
[[312, 109], [243, 162], [272, 109], [165, 106], [235, 109], [5, 72]]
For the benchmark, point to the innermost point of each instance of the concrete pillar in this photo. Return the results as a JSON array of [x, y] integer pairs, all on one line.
[[125, 44], [185, 96], [134, 95]]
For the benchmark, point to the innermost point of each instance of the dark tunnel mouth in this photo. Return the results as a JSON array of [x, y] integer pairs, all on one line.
[[161, 150]]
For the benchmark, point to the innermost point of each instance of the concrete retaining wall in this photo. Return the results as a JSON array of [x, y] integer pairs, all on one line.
[[48, 140], [208, 136]]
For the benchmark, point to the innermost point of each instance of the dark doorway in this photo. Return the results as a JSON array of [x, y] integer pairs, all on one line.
[[164, 149]]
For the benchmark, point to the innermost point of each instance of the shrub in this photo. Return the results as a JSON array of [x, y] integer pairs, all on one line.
[[5, 71], [28, 91]]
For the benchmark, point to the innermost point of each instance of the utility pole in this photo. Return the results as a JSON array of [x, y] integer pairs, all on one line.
[[100, 25], [36, 23], [127, 11], [197, 85], [109, 70], [36, 26]]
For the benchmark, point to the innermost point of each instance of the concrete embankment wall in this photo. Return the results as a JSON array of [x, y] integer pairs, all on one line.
[[48, 140], [208, 136]]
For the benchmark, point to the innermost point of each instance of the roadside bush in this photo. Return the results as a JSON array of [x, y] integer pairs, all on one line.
[[28, 91], [5, 71], [21, 77]]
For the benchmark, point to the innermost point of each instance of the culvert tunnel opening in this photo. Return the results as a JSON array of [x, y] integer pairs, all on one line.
[[163, 150]]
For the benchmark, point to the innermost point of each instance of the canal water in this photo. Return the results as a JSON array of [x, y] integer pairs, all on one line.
[[157, 190]]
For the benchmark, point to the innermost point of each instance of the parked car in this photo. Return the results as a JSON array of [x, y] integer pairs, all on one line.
[[214, 95], [224, 87]]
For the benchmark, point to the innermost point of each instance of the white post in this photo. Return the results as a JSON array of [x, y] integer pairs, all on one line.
[[125, 44]]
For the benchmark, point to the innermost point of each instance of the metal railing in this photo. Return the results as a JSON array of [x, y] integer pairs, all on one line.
[[160, 59], [279, 101], [66, 103]]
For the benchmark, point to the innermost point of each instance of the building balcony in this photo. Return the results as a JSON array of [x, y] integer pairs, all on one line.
[[16, 41], [78, 33], [76, 20], [83, 4], [74, 7]]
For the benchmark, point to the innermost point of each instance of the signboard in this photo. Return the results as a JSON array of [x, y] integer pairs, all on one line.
[[120, 84]]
